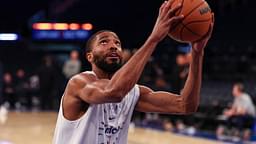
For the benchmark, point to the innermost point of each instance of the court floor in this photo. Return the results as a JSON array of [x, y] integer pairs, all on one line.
[[38, 127]]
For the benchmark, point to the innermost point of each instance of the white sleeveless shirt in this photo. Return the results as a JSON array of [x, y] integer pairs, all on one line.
[[106, 123]]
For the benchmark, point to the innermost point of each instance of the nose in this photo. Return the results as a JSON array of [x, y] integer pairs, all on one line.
[[113, 48]]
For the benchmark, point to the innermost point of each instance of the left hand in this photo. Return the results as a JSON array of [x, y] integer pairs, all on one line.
[[198, 46], [165, 20]]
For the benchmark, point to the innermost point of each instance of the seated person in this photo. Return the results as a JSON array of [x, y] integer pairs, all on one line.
[[242, 112]]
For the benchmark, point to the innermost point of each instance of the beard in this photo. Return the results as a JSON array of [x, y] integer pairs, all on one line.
[[110, 68]]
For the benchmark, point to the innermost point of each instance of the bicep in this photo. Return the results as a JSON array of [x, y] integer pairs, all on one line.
[[96, 92], [162, 102], [92, 93]]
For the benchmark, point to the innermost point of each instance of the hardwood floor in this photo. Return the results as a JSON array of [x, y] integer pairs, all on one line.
[[38, 128]]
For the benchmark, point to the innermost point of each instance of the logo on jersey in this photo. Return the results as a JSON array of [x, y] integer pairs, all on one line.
[[111, 133], [112, 130], [109, 130]]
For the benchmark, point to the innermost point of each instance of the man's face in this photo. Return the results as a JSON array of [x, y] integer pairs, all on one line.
[[235, 90], [107, 52]]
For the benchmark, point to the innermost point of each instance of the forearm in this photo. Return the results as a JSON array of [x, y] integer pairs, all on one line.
[[129, 74], [125, 78], [191, 91]]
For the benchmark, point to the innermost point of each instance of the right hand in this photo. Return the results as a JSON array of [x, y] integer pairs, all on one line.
[[199, 46], [165, 19]]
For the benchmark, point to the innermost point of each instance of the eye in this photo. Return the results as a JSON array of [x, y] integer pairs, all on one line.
[[103, 42], [118, 43]]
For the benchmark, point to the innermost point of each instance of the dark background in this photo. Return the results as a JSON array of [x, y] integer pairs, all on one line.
[[230, 54], [132, 20]]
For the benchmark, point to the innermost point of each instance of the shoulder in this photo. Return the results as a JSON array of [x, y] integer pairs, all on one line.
[[78, 81], [246, 96], [73, 105], [144, 89], [82, 78]]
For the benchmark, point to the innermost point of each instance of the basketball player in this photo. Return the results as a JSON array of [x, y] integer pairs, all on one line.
[[97, 105]]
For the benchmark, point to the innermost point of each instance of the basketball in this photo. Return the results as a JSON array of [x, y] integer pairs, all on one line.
[[196, 22]]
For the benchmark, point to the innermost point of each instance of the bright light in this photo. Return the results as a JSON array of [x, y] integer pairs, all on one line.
[[8, 36], [74, 26], [87, 26], [42, 26], [60, 26]]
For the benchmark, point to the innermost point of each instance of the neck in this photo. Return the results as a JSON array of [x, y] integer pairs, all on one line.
[[101, 74], [240, 93]]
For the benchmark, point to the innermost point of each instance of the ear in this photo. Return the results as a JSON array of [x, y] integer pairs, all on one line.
[[89, 57]]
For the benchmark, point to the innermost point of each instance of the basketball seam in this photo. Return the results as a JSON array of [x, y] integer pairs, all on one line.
[[197, 21], [185, 26], [193, 9], [186, 15]]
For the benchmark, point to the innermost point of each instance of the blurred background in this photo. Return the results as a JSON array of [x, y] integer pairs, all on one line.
[[42, 42]]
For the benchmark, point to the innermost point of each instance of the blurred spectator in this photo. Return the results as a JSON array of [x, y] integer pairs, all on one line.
[[73, 65], [180, 73], [149, 73], [158, 69], [47, 74], [180, 126], [8, 91], [34, 92], [1, 83], [167, 125], [242, 112], [21, 88], [161, 84], [242, 104]]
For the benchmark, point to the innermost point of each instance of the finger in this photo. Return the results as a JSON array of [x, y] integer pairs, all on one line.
[[211, 29], [167, 7], [162, 6], [213, 18], [209, 33], [172, 11], [176, 19], [171, 3]]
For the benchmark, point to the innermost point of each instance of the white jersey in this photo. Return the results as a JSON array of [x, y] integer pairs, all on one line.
[[106, 123], [244, 101]]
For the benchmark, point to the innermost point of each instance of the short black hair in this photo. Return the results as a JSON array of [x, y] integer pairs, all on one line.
[[88, 47]]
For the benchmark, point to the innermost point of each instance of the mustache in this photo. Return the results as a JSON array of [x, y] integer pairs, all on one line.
[[101, 63], [114, 54]]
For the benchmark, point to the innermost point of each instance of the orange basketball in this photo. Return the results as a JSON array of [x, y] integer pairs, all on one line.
[[196, 21]]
